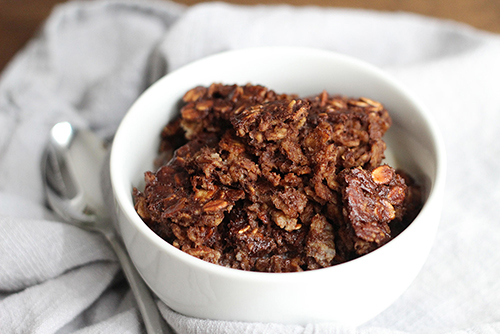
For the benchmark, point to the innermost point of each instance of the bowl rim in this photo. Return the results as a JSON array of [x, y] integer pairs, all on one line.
[[435, 191]]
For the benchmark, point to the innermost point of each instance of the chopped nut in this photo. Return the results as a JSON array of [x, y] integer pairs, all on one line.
[[382, 174], [320, 243], [203, 195], [277, 134], [283, 221]]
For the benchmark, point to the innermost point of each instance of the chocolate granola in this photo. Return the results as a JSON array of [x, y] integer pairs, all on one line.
[[255, 180]]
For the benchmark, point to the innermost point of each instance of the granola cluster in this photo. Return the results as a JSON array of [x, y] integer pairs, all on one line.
[[255, 180]]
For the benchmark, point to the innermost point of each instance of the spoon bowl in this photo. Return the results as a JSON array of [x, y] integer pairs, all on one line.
[[72, 164], [71, 172]]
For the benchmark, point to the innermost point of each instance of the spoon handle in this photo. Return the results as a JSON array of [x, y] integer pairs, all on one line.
[[153, 321]]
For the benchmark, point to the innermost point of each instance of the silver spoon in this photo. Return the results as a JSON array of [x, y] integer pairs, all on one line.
[[71, 171]]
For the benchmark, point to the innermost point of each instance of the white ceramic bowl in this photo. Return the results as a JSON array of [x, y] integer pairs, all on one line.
[[349, 293]]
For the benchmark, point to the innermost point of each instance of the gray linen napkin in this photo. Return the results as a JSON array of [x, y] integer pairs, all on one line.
[[92, 59]]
